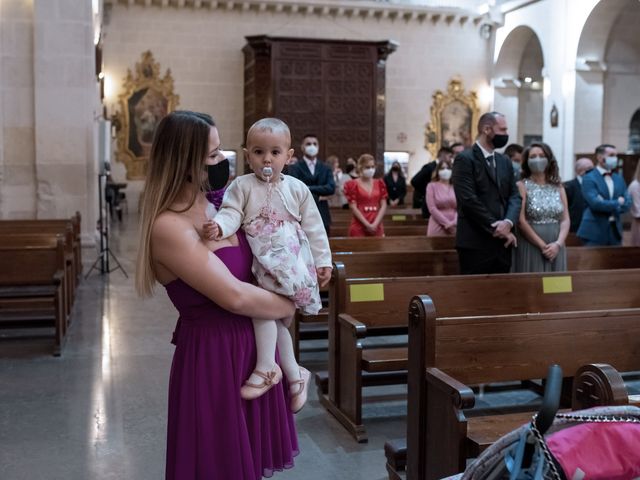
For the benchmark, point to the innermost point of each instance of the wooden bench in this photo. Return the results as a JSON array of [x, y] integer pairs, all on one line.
[[409, 243], [371, 264], [71, 247], [32, 283], [342, 230], [71, 225], [530, 322], [600, 384], [440, 262]]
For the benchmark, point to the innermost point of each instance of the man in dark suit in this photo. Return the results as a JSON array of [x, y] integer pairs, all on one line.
[[420, 180], [316, 175], [606, 196], [573, 189], [488, 200]]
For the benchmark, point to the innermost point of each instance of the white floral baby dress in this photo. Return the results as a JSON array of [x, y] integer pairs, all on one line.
[[282, 260]]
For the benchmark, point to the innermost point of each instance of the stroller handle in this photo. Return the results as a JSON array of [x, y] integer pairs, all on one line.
[[551, 400]]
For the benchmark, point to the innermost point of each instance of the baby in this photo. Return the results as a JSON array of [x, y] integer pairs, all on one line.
[[291, 254]]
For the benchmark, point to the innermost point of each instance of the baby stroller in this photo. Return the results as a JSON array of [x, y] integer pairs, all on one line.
[[600, 443]]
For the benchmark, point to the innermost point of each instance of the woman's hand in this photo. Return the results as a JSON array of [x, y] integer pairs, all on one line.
[[371, 227], [551, 250]]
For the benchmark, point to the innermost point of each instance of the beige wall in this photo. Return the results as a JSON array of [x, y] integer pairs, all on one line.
[[203, 48], [17, 124], [49, 108]]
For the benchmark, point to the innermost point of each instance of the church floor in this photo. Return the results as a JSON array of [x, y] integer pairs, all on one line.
[[99, 411]]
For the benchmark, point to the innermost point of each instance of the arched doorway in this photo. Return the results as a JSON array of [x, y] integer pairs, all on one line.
[[518, 84], [596, 44]]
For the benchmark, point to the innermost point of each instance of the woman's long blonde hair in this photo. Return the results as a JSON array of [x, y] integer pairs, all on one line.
[[180, 147]]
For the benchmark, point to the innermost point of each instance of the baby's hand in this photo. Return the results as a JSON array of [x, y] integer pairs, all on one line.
[[324, 275], [210, 230]]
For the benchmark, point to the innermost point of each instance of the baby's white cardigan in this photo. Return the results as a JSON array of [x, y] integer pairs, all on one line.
[[246, 195]]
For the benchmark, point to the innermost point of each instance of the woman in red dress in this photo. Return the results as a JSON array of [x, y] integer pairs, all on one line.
[[367, 198]]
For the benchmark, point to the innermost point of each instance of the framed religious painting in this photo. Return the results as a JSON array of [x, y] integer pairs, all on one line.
[[454, 115], [146, 99]]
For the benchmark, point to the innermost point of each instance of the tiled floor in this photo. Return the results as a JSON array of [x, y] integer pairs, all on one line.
[[99, 411]]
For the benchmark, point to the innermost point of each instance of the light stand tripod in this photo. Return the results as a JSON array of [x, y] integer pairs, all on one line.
[[105, 251]]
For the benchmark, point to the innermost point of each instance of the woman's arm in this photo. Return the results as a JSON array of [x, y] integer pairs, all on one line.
[[565, 222], [353, 206], [526, 229], [435, 212], [177, 246], [381, 210]]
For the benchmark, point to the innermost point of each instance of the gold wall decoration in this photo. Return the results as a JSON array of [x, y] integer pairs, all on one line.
[[454, 116], [146, 99]]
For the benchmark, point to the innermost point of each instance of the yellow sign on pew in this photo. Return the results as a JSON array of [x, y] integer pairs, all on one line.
[[398, 218], [557, 284], [367, 292]]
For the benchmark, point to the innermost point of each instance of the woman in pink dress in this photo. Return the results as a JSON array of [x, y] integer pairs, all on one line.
[[212, 433], [441, 201], [367, 198]]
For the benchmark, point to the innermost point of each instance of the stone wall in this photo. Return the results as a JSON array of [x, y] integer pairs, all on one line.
[[49, 110], [17, 124], [203, 49]]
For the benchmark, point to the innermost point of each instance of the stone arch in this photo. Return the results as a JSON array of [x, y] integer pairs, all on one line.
[[595, 33], [510, 56], [518, 80]]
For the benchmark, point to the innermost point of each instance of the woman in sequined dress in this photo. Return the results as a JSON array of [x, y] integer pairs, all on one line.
[[544, 218]]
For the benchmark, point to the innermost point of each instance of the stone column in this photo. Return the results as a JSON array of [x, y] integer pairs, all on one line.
[[506, 102], [17, 155], [66, 106]]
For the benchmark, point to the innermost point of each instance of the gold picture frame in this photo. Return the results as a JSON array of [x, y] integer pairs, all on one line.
[[145, 100], [454, 115]]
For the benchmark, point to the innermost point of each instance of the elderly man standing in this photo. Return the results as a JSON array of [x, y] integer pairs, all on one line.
[[488, 200]]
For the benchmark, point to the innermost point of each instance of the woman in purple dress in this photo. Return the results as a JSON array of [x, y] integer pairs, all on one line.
[[212, 433]]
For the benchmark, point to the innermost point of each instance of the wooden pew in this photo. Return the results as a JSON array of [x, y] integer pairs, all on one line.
[[32, 283], [71, 246], [440, 262], [342, 230], [409, 243], [505, 328], [372, 264], [599, 384], [41, 225]]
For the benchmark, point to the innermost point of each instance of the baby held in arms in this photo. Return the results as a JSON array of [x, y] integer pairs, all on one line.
[[291, 254]]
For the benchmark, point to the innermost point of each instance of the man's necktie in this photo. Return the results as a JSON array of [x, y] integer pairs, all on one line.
[[492, 165]]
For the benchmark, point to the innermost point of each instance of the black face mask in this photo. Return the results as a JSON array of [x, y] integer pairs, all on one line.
[[499, 140], [218, 175]]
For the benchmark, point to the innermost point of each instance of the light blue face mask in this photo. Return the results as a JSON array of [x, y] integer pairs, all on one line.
[[610, 163]]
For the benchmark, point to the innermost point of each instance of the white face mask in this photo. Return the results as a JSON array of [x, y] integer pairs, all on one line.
[[368, 172], [445, 174], [538, 164], [311, 150], [610, 163]]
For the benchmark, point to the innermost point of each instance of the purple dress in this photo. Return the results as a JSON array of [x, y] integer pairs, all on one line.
[[212, 433]]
